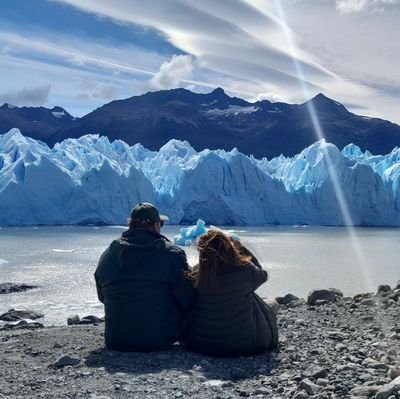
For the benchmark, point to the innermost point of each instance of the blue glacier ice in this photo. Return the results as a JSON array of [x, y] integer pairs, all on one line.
[[188, 235], [93, 180]]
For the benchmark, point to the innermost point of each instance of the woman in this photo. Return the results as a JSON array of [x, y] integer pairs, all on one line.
[[229, 319]]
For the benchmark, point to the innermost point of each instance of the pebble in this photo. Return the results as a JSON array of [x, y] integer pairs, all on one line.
[[309, 387], [66, 360]]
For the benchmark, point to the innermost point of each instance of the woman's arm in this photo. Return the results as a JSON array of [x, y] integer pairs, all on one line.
[[258, 276], [245, 251]]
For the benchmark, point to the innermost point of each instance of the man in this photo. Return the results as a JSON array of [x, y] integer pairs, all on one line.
[[141, 279]]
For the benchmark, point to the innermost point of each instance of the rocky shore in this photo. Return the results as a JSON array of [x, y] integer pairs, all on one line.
[[330, 347]]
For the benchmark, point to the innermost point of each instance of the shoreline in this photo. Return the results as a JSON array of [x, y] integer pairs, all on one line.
[[346, 348], [353, 226]]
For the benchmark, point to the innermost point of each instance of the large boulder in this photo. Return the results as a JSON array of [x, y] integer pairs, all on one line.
[[384, 288], [284, 300], [325, 295], [22, 324], [16, 315], [9, 288]]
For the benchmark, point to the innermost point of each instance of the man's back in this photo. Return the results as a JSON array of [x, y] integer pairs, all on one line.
[[141, 281]]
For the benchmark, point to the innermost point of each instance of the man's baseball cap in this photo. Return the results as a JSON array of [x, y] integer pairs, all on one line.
[[146, 213]]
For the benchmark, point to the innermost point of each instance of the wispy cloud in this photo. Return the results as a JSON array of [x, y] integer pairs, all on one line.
[[28, 96], [243, 43], [233, 39], [354, 6]]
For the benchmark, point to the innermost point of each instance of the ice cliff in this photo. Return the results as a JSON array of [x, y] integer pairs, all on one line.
[[90, 180]]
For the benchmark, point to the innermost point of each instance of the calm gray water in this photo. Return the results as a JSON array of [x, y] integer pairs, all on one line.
[[61, 260]]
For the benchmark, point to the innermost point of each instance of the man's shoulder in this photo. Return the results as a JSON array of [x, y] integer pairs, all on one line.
[[174, 249]]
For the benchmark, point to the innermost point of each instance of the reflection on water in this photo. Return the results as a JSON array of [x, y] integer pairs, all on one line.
[[61, 260]]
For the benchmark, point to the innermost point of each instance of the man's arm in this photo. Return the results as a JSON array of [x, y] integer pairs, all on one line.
[[182, 287], [98, 272], [98, 289]]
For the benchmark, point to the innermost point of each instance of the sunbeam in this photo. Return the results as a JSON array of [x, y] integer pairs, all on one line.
[[342, 202]]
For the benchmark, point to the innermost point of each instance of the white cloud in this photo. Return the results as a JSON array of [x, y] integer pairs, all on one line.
[[172, 72], [32, 96], [354, 6], [273, 97]]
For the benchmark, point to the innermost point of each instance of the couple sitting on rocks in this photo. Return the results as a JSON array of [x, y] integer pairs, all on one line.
[[152, 298]]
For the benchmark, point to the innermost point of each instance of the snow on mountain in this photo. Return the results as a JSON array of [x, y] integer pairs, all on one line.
[[59, 114], [93, 180], [231, 110]]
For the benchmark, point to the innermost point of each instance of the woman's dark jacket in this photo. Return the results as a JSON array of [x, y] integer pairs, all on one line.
[[231, 320], [141, 279]]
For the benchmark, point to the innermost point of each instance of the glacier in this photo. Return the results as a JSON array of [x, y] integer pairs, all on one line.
[[91, 180]]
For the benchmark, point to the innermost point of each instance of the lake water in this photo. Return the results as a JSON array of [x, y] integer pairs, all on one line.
[[62, 260]]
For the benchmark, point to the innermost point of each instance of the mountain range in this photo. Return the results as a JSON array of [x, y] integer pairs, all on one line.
[[213, 120]]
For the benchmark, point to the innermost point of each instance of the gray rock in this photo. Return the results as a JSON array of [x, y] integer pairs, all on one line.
[[324, 295], [322, 382], [284, 300], [394, 372], [66, 360], [301, 395], [309, 387], [384, 288], [336, 335], [296, 304], [15, 315], [378, 366], [73, 320], [360, 297], [338, 293], [368, 302], [90, 320], [361, 391], [262, 391], [320, 302], [316, 372], [8, 288], [396, 382], [386, 391]]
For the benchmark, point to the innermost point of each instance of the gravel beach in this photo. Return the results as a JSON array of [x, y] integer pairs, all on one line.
[[330, 347]]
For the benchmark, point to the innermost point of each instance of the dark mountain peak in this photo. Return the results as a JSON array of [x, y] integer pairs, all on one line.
[[219, 92], [321, 97], [8, 106], [219, 99], [324, 103], [156, 98]]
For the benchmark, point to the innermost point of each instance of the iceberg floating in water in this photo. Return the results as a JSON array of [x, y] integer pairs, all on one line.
[[189, 235], [91, 180]]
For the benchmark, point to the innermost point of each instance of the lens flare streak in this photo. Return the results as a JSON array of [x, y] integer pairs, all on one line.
[[342, 202]]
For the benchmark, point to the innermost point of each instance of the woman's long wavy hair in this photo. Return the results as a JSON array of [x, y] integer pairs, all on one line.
[[215, 251]]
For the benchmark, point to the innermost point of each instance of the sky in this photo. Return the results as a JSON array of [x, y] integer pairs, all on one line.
[[81, 54]]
